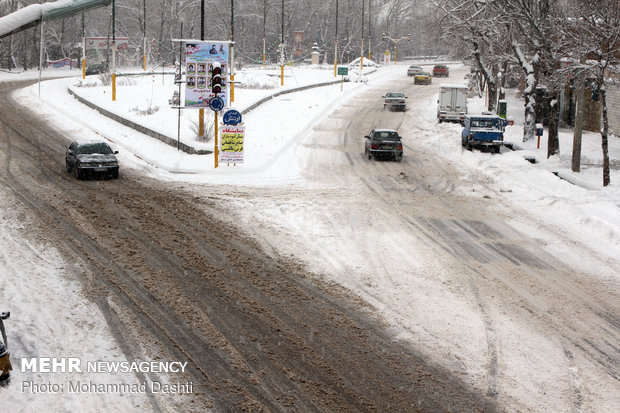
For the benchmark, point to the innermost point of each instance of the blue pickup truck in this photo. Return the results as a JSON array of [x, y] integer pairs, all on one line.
[[485, 132]]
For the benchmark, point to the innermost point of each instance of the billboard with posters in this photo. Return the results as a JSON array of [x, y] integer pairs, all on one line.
[[199, 59], [231, 143]]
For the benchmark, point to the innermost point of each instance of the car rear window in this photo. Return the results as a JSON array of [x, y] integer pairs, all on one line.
[[484, 123], [92, 148], [384, 135]]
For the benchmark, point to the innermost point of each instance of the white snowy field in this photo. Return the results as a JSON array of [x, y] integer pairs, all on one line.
[[276, 158]]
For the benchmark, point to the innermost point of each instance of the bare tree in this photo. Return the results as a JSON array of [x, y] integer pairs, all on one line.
[[479, 29], [594, 30]]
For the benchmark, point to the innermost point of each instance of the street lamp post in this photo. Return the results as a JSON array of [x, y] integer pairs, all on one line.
[[408, 37]]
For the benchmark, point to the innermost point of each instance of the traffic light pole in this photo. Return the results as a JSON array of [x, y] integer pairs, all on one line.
[[216, 149]]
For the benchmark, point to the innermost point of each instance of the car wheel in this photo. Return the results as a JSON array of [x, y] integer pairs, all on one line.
[[369, 156], [68, 165], [115, 174], [76, 172]]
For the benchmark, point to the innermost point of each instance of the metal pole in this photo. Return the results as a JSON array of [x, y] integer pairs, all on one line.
[[144, 35], [264, 30], [113, 50], [113, 21], [216, 149], [83, 49], [282, 49], [41, 41], [395, 51], [201, 112], [179, 114], [336, 44], [362, 42], [232, 50], [369, 29]]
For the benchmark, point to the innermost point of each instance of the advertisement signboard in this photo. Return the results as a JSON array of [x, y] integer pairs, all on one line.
[[102, 43], [231, 143], [199, 60]]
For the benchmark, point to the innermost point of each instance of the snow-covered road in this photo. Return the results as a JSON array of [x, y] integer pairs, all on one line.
[[462, 255], [442, 255]]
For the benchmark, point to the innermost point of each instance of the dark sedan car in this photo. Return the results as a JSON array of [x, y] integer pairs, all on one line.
[[96, 69], [384, 143], [91, 158]]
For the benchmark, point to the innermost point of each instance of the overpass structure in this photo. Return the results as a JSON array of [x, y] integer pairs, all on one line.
[[34, 14]]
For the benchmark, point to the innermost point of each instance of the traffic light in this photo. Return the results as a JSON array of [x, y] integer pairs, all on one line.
[[216, 78]]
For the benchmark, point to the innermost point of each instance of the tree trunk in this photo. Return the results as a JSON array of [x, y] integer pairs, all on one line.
[[577, 131], [553, 145], [604, 136], [529, 125], [529, 93]]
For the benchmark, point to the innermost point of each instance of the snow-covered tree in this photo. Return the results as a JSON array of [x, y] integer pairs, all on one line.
[[594, 33], [535, 32], [480, 30]]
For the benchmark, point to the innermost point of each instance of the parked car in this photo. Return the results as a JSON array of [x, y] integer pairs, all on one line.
[[91, 158], [395, 101], [441, 71], [485, 132], [96, 69], [383, 143], [422, 78], [413, 69]]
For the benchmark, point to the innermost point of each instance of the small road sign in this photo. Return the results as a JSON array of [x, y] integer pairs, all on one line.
[[343, 71], [231, 117], [216, 104]]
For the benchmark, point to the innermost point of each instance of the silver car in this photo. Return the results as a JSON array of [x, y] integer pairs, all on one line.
[[395, 101], [414, 69]]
